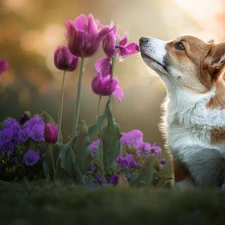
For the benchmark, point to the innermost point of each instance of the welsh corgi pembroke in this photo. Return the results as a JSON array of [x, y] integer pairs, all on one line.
[[194, 122]]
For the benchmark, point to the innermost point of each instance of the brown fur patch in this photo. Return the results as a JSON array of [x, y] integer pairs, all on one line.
[[190, 62], [217, 135], [180, 170], [218, 101]]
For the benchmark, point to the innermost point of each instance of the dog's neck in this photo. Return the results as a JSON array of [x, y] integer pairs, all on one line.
[[190, 109]]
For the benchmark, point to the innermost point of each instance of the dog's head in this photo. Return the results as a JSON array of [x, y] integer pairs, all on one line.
[[187, 61]]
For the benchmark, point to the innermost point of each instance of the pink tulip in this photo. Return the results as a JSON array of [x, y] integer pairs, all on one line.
[[51, 133], [64, 59], [84, 35], [3, 65]]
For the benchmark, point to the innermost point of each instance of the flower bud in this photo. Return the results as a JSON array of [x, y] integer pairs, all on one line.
[[64, 59], [51, 133]]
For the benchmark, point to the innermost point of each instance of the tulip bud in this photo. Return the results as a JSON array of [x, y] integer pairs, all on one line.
[[64, 59], [3, 65], [51, 133]]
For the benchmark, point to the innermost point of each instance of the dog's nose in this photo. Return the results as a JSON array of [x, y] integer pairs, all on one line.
[[143, 40]]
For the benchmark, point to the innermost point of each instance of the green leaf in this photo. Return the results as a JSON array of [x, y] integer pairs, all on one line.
[[68, 162], [111, 142], [50, 158], [82, 150], [146, 171], [47, 118], [99, 120], [99, 165]]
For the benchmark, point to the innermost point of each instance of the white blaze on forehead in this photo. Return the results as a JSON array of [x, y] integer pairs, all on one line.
[[156, 49]]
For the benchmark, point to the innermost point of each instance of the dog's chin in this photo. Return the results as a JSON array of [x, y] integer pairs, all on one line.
[[153, 64]]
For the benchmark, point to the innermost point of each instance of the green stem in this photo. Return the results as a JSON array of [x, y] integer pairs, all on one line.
[[61, 105], [77, 106], [100, 137], [113, 67]]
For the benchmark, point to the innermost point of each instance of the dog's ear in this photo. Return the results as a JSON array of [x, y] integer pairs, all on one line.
[[215, 60]]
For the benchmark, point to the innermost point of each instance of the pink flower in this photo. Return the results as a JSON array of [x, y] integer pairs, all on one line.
[[64, 59], [104, 85], [51, 133], [84, 35], [3, 65], [109, 44], [101, 80]]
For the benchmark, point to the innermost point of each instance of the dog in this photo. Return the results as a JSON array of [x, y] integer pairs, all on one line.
[[194, 120]]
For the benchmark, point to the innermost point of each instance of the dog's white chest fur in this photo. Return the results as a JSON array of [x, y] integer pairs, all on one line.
[[188, 123]]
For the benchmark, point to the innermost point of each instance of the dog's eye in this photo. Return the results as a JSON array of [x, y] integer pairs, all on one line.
[[179, 46]]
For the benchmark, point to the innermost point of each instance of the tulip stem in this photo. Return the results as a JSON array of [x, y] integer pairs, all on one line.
[[100, 137], [113, 67], [77, 105], [61, 105]]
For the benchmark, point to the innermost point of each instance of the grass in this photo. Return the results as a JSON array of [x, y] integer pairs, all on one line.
[[32, 203]]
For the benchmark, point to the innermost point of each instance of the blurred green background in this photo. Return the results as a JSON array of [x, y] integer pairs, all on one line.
[[31, 30]]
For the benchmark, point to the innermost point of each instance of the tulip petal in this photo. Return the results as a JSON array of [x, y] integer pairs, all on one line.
[[80, 23], [92, 26], [103, 66], [124, 38], [118, 93]]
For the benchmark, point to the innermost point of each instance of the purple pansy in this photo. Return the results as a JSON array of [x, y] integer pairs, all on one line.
[[133, 137], [6, 135], [143, 149], [24, 119], [24, 134], [35, 120], [37, 132], [7, 147], [127, 162], [114, 179], [84, 35], [156, 149], [31, 158], [3, 65], [64, 59]]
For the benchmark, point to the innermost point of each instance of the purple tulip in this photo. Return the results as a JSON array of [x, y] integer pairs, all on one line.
[[103, 68], [84, 35], [64, 59], [109, 44], [51, 133], [104, 85], [3, 65], [31, 158]]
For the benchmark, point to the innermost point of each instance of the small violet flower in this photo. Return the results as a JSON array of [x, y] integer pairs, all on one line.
[[162, 162], [114, 179], [3, 65], [156, 150], [37, 132], [64, 59], [51, 133], [35, 120], [127, 162], [7, 147], [93, 146], [133, 137], [6, 135], [31, 158], [143, 149], [24, 134], [84, 35]]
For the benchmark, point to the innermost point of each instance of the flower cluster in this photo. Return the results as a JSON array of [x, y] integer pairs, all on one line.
[[133, 152], [23, 142]]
